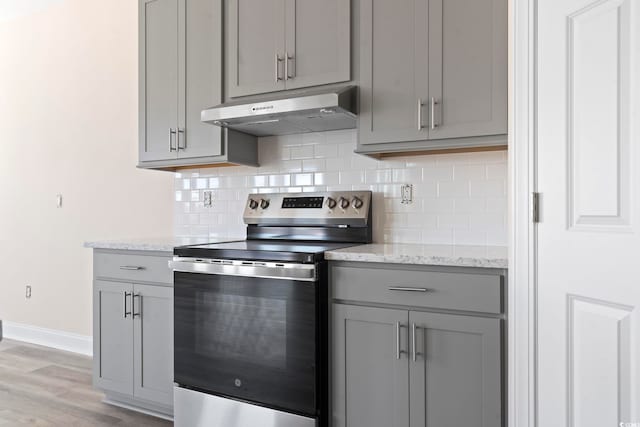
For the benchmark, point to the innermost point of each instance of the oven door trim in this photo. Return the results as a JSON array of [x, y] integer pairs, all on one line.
[[262, 270]]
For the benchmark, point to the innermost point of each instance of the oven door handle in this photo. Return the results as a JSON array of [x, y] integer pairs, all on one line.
[[286, 271]]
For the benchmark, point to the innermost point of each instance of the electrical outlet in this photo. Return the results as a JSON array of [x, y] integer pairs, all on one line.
[[59, 200], [208, 199], [27, 292], [406, 192]]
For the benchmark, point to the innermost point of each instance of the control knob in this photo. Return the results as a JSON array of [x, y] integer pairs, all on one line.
[[331, 203], [344, 203], [253, 204], [264, 203], [357, 202]]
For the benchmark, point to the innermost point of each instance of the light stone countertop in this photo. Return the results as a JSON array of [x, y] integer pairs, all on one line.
[[156, 244], [444, 255]]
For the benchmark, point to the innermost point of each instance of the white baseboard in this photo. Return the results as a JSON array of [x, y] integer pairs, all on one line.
[[60, 340]]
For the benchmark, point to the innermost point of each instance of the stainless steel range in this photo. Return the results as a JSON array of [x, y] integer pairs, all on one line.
[[251, 317]]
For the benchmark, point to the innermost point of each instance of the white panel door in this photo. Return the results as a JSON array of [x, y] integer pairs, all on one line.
[[588, 241]]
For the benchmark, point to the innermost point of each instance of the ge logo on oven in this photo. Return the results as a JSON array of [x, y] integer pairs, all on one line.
[[238, 383]]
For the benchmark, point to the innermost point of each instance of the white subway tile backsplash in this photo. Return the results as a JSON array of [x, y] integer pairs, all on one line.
[[327, 178], [303, 179], [313, 165], [457, 198], [352, 177], [302, 152], [291, 166], [490, 188], [279, 180], [453, 189]]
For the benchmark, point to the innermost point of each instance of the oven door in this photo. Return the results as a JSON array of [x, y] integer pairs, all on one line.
[[247, 331]]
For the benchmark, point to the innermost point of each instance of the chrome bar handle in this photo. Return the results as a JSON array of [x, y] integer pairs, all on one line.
[[398, 350], [286, 66], [172, 134], [131, 267], [414, 352], [277, 63], [434, 102], [181, 131], [139, 305], [126, 313], [407, 289], [420, 105]]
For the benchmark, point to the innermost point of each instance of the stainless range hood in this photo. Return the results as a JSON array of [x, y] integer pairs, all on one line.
[[307, 112]]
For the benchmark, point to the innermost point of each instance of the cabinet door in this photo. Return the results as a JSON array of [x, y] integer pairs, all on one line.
[[370, 373], [394, 71], [201, 85], [318, 44], [255, 46], [153, 343], [456, 378], [113, 337], [468, 67], [158, 80]]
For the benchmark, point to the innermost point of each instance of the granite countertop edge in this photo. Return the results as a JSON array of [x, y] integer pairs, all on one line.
[[154, 244], [388, 255]]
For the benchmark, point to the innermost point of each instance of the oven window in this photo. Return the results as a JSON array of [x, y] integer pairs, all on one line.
[[242, 328], [248, 338]]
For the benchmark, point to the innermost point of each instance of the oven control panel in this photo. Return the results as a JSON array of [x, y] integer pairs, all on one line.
[[348, 207]]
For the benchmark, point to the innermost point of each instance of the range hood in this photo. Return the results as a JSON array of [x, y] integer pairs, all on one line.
[[307, 112]]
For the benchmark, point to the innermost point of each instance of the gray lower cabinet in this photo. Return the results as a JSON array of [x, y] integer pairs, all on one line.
[[433, 75], [180, 74], [398, 363], [113, 337], [273, 45], [153, 343], [455, 375], [133, 330], [370, 372]]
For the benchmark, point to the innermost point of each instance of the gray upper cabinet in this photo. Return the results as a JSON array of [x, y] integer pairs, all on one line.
[[433, 75], [152, 312], [255, 46], [180, 74], [370, 367], [113, 344], [393, 70], [318, 42], [158, 79], [201, 79], [455, 378], [274, 45], [468, 79]]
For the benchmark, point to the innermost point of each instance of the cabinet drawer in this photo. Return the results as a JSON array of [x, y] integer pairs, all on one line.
[[133, 268], [442, 290]]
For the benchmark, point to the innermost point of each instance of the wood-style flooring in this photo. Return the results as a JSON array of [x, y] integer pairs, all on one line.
[[40, 386]]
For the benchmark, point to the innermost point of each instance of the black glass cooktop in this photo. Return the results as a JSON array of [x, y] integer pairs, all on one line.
[[263, 250]]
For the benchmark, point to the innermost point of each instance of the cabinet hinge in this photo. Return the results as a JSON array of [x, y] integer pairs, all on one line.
[[535, 207]]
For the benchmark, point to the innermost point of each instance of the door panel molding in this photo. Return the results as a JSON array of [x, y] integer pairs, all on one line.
[[598, 358], [598, 113]]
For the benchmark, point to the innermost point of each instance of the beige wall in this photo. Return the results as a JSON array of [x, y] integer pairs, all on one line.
[[68, 124]]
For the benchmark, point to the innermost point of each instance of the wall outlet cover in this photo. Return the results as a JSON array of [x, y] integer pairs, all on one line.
[[208, 199], [406, 192]]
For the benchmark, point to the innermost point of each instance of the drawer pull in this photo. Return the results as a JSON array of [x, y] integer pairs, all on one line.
[[407, 289], [131, 267]]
